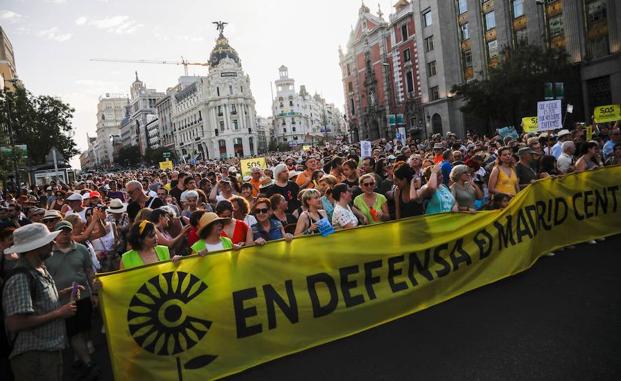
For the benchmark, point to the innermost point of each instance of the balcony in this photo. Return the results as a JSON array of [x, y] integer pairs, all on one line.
[[520, 23], [488, 6], [490, 35], [555, 8]]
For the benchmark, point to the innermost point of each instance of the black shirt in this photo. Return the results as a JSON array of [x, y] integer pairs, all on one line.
[[525, 174], [133, 208], [289, 192], [176, 193]]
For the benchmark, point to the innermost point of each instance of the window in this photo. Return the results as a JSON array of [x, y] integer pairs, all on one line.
[[235, 124], [350, 87], [218, 91], [404, 32], [596, 11], [427, 18], [293, 129], [492, 48], [518, 8], [230, 89], [292, 121], [522, 35], [284, 130], [221, 125], [468, 58], [434, 93], [465, 32], [409, 79], [429, 44], [219, 110], [351, 106], [463, 6], [291, 103], [490, 20], [348, 69], [406, 55], [431, 68], [233, 109], [556, 25]]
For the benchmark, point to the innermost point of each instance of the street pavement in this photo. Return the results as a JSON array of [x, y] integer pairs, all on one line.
[[560, 320]]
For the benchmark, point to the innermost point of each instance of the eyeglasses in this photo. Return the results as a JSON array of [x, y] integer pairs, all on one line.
[[261, 210], [368, 184]]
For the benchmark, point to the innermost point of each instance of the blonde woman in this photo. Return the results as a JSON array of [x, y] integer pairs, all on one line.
[[307, 222], [325, 186]]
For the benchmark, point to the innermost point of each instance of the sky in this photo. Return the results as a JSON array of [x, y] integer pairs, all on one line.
[[54, 40]]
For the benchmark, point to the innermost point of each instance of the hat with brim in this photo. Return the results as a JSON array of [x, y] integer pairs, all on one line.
[[293, 174], [116, 206], [63, 225], [52, 214], [208, 219], [30, 237], [562, 133], [525, 151]]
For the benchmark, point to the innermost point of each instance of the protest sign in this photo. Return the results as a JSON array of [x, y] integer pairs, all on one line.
[[508, 131], [529, 124], [247, 164], [365, 148], [549, 115], [306, 147], [213, 316], [164, 165], [606, 114]]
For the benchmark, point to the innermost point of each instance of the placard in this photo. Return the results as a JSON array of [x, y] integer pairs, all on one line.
[[247, 164], [549, 115], [365, 148], [164, 165], [606, 114], [529, 124]]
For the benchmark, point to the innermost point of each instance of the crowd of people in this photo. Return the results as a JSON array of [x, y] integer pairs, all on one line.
[[56, 237]]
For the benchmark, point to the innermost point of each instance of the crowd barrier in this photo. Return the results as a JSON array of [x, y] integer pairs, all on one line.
[[218, 315]]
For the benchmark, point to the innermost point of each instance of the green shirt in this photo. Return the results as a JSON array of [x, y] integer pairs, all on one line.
[[201, 245], [132, 258], [362, 206], [69, 267]]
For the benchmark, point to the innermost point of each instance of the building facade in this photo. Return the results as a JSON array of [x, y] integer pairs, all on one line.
[[264, 130], [139, 112], [380, 74], [8, 71], [462, 39], [111, 110]]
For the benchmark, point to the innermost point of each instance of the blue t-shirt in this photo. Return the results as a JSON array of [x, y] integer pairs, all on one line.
[[442, 201], [274, 233]]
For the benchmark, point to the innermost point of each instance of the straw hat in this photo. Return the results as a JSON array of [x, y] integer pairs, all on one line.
[[207, 219], [30, 237], [117, 206]]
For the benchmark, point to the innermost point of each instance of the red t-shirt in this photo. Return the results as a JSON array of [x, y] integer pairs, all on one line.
[[192, 236], [239, 233]]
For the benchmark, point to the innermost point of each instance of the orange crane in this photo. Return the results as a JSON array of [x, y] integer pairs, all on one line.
[[183, 62]]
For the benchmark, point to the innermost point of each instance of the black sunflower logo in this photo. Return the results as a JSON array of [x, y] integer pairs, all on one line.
[[157, 319]]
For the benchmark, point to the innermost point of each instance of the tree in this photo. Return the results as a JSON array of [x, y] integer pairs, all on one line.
[[155, 155], [40, 122], [129, 155], [516, 83]]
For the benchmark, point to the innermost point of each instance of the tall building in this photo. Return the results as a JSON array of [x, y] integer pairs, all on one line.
[[8, 71], [139, 112], [110, 114], [263, 133], [212, 116], [462, 39], [164, 115], [380, 73]]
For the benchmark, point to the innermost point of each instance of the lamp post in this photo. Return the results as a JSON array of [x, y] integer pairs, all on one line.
[[9, 125]]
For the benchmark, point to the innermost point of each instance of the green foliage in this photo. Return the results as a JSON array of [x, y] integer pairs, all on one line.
[[41, 122], [128, 156], [155, 155], [513, 88]]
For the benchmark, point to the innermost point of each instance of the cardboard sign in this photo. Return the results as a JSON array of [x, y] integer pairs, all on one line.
[[164, 165], [247, 164], [529, 124], [365, 148], [508, 131], [549, 115], [606, 114]]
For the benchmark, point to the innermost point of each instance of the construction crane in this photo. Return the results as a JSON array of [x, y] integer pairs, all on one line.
[[183, 62]]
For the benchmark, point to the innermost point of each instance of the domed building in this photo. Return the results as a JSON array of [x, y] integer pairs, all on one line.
[[214, 116]]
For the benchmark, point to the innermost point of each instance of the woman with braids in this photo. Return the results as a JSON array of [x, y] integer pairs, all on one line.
[[145, 250]]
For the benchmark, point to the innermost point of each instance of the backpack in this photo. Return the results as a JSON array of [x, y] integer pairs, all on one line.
[[6, 345]]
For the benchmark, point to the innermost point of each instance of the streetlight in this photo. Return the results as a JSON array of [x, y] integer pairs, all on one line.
[[13, 81]]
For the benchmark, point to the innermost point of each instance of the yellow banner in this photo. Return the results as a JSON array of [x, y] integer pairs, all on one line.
[[529, 124], [609, 113], [164, 165], [217, 315], [247, 164], [306, 147]]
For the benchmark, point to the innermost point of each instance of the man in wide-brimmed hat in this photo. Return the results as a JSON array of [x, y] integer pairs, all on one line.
[[34, 316]]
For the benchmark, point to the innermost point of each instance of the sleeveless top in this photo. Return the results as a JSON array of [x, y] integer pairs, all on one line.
[[369, 213], [464, 195], [239, 232], [410, 208], [506, 184], [200, 245], [442, 201], [132, 258]]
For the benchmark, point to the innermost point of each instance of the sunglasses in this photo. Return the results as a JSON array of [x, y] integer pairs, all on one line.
[[368, 184], [261, 210]]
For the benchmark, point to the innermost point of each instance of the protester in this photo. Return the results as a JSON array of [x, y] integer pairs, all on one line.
[[464, 189], [374, 206], [267, 228], [503, 178], [566, 158], [283, 186], [343, 216], [143, 241], [437, 195], [404, 192], [210, 229], [139, 199], [34, 315], [525, 173], [308, 221], [587, 159]]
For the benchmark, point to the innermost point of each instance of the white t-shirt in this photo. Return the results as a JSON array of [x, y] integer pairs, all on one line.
[[343, 216], [214, 247], [250, 220]]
